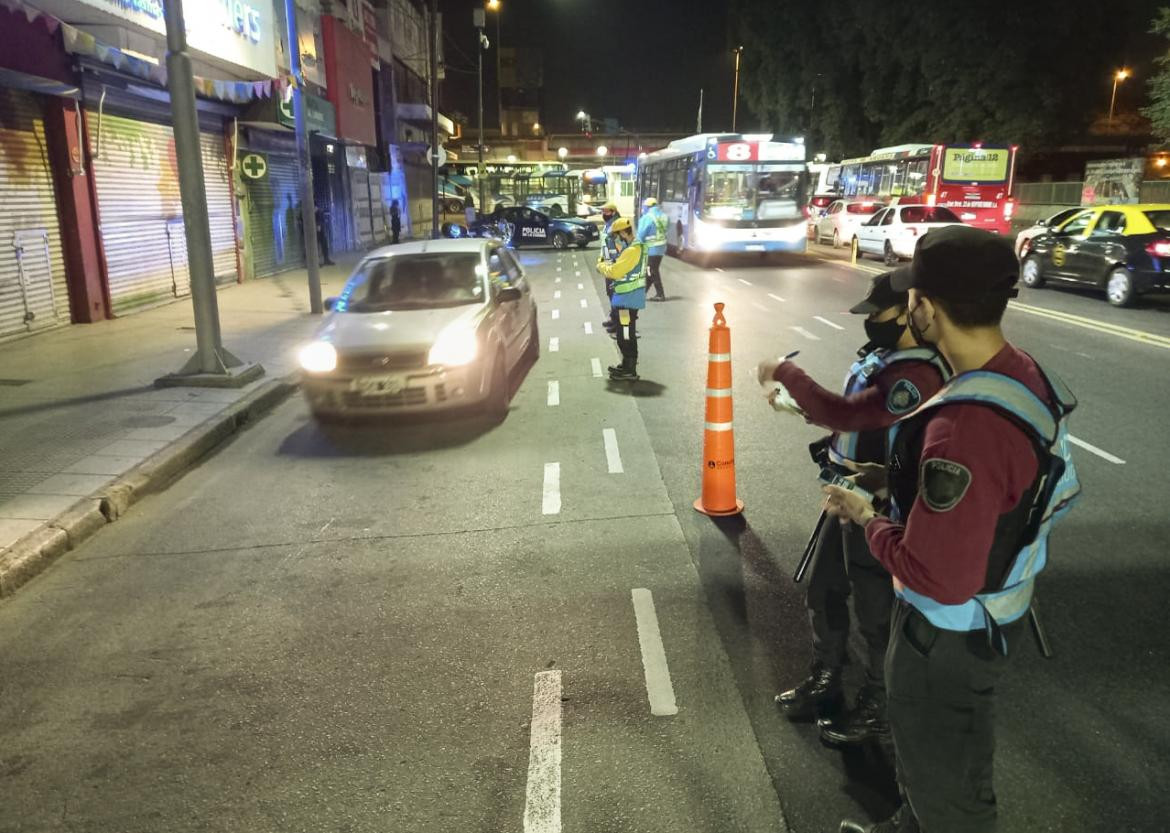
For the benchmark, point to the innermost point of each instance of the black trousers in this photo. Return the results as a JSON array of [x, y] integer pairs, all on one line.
[[323, 245], [627, 335], [842, 564], [654, 274], [941, 708], [396, 230]]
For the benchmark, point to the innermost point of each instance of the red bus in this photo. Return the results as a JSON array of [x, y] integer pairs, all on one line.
[[974, 181]]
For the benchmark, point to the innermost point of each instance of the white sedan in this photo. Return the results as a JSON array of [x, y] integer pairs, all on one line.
[[423, 326], [893, 232], [1024, 238], [841, 219]]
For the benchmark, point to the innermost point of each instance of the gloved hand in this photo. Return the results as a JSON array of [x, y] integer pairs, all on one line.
[[766, 371], [781, 400]]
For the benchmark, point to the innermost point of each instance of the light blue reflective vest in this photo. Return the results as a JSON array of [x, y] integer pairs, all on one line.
[[870, 446], [652, 229], [1054, 492], [609, 250]]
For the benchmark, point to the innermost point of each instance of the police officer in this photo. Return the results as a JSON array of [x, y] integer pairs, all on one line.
[[628, 273], [891, 378], [609, 213], [977, 477], [652, 233]]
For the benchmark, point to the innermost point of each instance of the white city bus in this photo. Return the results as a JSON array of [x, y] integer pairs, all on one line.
[[610, 183], [729, 192]]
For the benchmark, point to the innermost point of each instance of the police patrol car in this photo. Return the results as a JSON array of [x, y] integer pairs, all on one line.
[[1122, 249], [520, 226]]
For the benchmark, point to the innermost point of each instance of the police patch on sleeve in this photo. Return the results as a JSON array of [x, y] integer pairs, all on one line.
[[943, 483], [903, 398]]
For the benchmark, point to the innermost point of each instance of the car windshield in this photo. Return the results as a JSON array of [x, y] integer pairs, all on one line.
[[1159, 219], [928, 214], [423, 281]]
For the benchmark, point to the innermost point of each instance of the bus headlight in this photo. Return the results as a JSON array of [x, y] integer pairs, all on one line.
[[705, 235], [318, 357], [454, 348], [793, 234]]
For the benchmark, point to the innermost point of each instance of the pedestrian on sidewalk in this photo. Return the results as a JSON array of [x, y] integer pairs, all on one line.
[[978, 475], [395, 220], [628, 273], [321, 215], [652, 233], [891, 377]]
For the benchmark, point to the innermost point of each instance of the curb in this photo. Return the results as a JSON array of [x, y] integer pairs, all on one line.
[[33, 553]]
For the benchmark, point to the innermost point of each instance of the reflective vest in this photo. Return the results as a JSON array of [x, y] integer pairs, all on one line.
[[608, 246], [634, 279], [870, 446], [1019, 550], [658, 237]]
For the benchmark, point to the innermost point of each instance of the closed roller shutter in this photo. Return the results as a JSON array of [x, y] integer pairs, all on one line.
[[33, 292], [359, 189], [136, 171], [274, 217]]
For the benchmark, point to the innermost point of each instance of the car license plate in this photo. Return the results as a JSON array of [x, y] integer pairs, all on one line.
[[755, 247], [377, 385]]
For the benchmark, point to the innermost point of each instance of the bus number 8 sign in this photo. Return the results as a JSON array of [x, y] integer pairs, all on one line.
[[737, 152]]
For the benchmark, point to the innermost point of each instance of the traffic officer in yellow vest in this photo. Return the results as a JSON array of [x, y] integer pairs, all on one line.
[[652, 233], [628, 273]]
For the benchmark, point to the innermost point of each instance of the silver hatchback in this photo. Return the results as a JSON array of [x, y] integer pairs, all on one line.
[[423, 326]]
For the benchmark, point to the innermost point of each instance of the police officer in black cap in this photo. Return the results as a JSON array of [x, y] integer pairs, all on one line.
[[890, 378], [977, 476]]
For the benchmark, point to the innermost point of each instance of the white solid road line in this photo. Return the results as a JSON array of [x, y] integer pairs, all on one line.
[[554, 394], [588, 328], [806, 334], [556, 313], [1104, 455], [828, 322], [776, 298], [557, 294], [595, 364], [613, 457], [584, 303], [551, 503], [658, 685], [554, 344], [542, 806], [745, 283]]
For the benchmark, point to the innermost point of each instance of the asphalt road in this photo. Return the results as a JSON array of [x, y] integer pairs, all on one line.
[[429, 626]]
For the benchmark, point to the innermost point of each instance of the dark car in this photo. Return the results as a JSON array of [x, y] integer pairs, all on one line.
[[1122, 249], [521, 225]]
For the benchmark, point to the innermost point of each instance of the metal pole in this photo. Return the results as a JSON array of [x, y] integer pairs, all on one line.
[[434, 118], [735, 90], [1112, 99], [499, 82], [304, 164], [479, 52]]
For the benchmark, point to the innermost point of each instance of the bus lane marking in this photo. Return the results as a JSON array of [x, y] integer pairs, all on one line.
[[659, 689], [542, 803], [613, 457]]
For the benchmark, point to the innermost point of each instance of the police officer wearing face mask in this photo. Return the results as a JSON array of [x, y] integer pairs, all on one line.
[[978, 475], [891, 377]]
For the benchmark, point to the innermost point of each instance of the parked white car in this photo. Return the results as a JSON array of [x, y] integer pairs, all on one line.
[[423, 326], [893, 232], [1024, 238], [841, 220]]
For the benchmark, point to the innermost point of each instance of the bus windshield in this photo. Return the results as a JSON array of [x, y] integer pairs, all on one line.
[[753, 192], [593, 187]]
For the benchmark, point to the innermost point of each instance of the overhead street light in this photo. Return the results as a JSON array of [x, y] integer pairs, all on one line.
[[1118, 77], [602, 150], [562, 152]]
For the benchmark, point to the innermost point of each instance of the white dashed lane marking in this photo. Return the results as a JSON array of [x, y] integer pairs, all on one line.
[[613, 457], [551, 503], [580, 286], [584, 303], [556, 313], [588, 328], [659, 689], [776, 298], [595, 365], [554, 344], [1104, 455], [745, 283], [556, 294], [802, 331], [554, 394], [542, 805], [829, 323], [760, 306]]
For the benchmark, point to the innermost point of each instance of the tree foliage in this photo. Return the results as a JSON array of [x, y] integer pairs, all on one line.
[[1159, 110], [857, 74]]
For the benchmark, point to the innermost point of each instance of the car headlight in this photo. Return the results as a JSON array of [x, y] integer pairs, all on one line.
[[318, 357], [454, 348]]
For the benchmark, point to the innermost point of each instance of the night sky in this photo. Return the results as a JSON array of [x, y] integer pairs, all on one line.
[[640, 61]]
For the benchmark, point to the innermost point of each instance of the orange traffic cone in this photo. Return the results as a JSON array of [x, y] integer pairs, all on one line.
[[718, 439]]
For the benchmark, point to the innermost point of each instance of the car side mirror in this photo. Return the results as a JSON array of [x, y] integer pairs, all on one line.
[[507, 295], [330, 303]]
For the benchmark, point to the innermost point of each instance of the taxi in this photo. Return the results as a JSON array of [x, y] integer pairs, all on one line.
[[1121, 249]]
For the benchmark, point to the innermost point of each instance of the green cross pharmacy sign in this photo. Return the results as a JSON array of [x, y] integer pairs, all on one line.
[[254, 165]]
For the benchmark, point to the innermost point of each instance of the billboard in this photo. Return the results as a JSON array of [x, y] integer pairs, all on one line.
[[1111, 181]]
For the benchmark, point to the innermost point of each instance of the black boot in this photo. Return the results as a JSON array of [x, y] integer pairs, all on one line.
[[626, 371], [865, 721], [902, 821], [818, 696]]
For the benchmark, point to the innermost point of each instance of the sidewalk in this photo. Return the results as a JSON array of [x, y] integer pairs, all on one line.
[[79, 410]]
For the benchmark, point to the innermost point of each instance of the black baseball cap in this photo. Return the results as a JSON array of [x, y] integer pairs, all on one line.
[[961, 263], [882, 295]]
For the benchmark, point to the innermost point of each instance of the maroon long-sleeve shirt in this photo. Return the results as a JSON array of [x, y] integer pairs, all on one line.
[[872, 409], [943, 554]]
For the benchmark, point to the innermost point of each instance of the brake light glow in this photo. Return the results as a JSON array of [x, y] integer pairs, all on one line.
[[1159, 248], [931, 199]]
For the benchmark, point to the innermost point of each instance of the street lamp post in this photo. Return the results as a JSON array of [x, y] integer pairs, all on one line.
[[478, 18], [735, 89], [1118, 77], [586, 121], [494, 6]]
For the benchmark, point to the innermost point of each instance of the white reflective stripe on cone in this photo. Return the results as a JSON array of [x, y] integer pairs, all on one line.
[[717, 426], [719, 393], [719, 357]]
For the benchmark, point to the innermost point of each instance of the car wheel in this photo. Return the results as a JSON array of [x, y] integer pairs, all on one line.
[[1119, 287], [836, 238], [1032, 273], [497, 401], [888, 256], [560, 240]]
